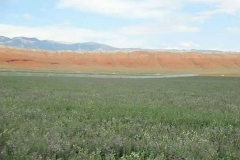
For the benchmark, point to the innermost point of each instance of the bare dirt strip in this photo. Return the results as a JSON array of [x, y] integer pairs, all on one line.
[[93, 75]]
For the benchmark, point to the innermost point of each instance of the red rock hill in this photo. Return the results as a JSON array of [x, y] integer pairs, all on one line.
[[150, 62]]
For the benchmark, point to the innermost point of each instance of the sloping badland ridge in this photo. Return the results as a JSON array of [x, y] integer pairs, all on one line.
[[142, 62]]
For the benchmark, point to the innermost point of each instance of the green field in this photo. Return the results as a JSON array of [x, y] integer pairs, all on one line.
[[94, 118]]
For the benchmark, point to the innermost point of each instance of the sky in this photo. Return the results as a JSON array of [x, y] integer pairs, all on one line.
[[152, 24]]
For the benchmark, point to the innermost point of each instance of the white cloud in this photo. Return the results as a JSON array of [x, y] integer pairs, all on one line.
[[147, 8], [27, 16], [229, 7], [185, 44], [233, 30], [163, 16], [156, 29], [22, 16], [121, 8], [188, 44], [221, 6], [171, 48]]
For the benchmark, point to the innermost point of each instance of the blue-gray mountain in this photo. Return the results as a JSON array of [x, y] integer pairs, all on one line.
[[34, 43]]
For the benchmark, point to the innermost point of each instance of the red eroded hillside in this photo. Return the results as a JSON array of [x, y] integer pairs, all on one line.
[[152, 62]]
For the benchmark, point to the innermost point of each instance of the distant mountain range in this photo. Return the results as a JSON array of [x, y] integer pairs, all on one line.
[[34, 43]]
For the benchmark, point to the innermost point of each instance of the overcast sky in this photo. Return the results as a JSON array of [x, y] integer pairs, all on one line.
[[155, 24]]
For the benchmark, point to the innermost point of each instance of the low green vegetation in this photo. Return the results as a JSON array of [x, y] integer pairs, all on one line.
[[84, 118]]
